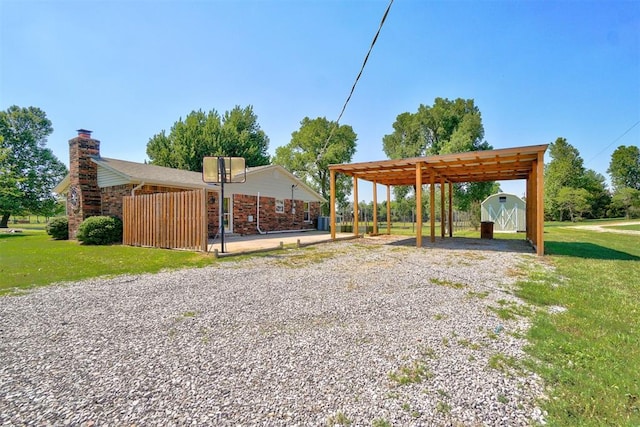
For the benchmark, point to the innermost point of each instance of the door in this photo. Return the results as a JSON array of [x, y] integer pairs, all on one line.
[[227, 215]]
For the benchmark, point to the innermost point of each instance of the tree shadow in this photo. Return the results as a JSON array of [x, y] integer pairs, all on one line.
[[586, 250], [10, 235]]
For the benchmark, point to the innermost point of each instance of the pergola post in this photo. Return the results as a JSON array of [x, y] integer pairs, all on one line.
[[388, 209], [419, 205], [450, 209], [432, 206], [356, 214], [375, 209], [332, 202], [540, 204], [443, 212], [529, 198]]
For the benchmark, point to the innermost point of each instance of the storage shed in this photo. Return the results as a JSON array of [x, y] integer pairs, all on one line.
[[506, 211]]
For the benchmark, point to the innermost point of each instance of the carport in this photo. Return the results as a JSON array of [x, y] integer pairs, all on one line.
[[475, 166]]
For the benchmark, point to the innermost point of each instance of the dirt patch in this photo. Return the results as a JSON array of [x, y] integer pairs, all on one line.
[[608, 228]]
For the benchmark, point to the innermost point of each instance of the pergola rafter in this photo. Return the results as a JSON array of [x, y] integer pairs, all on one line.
[[478, 166]]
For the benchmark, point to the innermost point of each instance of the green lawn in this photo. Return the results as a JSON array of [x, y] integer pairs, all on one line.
[[590, 354], [33, 258]]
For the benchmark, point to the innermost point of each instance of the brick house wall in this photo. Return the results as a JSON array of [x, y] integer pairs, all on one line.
[[245, 215]]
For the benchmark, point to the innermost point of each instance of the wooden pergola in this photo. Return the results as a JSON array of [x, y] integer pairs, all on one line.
[[478, 166]]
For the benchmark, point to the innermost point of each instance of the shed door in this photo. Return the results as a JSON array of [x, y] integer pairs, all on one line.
[[505, 219]]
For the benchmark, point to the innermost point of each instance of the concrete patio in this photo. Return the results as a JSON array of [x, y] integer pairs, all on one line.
[[235, 244]]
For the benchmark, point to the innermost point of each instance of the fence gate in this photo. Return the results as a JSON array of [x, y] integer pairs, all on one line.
[[166, 220]]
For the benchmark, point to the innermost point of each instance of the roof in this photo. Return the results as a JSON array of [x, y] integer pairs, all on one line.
[[503, 194], [137, 173], [472, 166]]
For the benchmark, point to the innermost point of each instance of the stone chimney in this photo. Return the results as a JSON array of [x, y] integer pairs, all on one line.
[[83, 198]]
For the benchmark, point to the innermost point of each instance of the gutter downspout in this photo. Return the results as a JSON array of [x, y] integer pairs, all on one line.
[[137, 187], [258, 216]]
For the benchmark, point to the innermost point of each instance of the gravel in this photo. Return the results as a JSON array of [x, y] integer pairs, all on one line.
[[348, 332]]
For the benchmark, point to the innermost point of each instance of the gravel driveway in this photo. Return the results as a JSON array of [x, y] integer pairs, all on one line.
[[358, 331]]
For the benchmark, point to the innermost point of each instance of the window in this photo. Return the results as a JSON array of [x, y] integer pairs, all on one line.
[[279, 206], [503, 199], [307, 212]]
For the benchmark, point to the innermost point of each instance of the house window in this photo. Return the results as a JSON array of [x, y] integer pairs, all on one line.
[[279, 206], [503, 199], [307, 212]]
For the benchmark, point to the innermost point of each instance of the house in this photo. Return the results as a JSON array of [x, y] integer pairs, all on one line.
[[506, 211], [272, 199]]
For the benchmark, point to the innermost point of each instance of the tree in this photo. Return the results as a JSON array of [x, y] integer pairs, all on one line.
[[308, 155], [564, 170], [627, 199], [449, 126], [573, 200], [28, 170], [599, 197], [236, 134], [624, 167]]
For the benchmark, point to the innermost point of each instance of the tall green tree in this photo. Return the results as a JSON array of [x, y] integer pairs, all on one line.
[[626, 200], [308, 155], [624, 167], [575, 201], [28, 170], [564, 170], [599, 197], [236, 134], [448, 126]]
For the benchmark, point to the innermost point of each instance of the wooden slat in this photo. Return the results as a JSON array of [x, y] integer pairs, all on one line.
[[166, 220]]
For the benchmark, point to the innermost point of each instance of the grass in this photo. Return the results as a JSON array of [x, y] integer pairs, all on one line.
[[443, 407], [589, 355], [32, 258], [339, 419], [632, 227], [479, 295], [410, 374], [505, 364], [510, 310], [469, 344], [303, 259], [447, 283]]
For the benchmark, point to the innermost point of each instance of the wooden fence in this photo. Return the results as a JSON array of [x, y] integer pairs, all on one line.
[[166, 220]]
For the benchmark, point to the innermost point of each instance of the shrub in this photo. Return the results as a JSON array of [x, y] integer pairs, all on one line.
[[100, 230], [58, 228]]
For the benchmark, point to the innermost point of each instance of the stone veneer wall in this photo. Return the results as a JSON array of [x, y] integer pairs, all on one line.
[[244, 206], [83, 197]]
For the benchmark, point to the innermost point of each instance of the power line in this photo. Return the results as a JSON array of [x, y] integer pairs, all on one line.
[[366, 58], [614, 141]]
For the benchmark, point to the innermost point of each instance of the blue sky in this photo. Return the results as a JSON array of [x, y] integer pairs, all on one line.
[[537, 70]]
